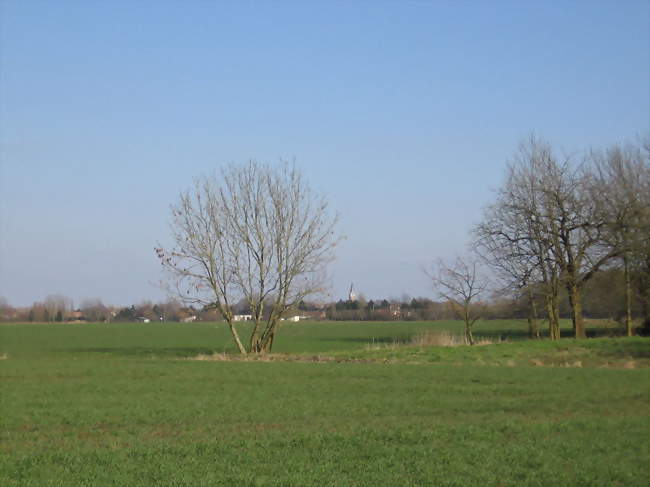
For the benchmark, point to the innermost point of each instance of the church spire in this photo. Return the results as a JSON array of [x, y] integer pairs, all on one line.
[[352, 296]]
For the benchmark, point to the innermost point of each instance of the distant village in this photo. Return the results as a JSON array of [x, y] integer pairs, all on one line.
[[60, 309], [599, 302]]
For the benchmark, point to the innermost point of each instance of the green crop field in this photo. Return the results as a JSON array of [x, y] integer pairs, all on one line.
[[337, 404]]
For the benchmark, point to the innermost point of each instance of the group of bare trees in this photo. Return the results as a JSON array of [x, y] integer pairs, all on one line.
[[259, 235], [556, 222], [55, 307]]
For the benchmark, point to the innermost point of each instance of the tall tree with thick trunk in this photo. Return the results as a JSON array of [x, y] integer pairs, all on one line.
[[512, 235], [548, 224], [573, 229]]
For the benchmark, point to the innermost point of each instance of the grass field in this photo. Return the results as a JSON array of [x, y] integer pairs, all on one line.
[[127, 404]]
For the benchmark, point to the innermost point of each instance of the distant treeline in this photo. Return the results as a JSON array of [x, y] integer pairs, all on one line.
[[603, 299], [60, 309]]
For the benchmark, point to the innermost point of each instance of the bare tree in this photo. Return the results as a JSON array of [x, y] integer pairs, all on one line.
[[575, 228], [504, 247], [94, 309], [57, 307], [257, 233], [512, 238], [560, 222], [460, 284], [170, 310], [641, 255], [620, 183]]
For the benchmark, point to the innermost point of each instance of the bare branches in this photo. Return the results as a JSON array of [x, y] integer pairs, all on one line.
[[514, 238], [620, 183], [257, 233], [460, 284], [556, 221]]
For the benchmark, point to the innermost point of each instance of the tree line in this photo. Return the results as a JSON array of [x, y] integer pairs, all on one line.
[[603, 299], [559, 231], [57, 308], [558, 223]]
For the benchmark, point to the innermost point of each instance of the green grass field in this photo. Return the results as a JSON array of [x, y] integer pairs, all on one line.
[[126, 404]]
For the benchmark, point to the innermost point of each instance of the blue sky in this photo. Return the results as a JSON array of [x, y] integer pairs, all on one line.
[[402, 113]]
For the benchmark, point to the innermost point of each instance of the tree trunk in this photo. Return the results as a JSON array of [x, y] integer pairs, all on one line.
[[256, 346], [469, 338], [533, 328], [628, 296], [254, 341], [576, 306], [235, 337], [266, 342], [270, 344], [553, 317]]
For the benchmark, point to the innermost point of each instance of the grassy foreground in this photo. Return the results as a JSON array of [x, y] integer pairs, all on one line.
[[122, 405]]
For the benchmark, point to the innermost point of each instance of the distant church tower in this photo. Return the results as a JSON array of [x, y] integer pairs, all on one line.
[[352, 296]]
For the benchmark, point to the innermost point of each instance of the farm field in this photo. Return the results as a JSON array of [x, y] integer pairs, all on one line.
[[127, 404]]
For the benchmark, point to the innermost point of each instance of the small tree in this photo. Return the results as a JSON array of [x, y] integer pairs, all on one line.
[[258, 234], [461, 286]]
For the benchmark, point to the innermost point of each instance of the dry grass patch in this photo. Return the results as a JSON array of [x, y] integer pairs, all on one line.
[[432, 339], [446, 339], [268, 357], [279, 357]]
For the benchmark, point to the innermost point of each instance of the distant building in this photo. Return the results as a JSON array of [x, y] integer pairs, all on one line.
[[76, 316], [313, 315], [242, 317]]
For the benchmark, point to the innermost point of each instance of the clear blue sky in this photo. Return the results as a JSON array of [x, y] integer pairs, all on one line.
[[403, 113]]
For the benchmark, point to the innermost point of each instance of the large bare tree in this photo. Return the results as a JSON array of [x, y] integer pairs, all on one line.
[[562, 223], [461, 285], [575, 230], [513, 236], [253, 232]]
